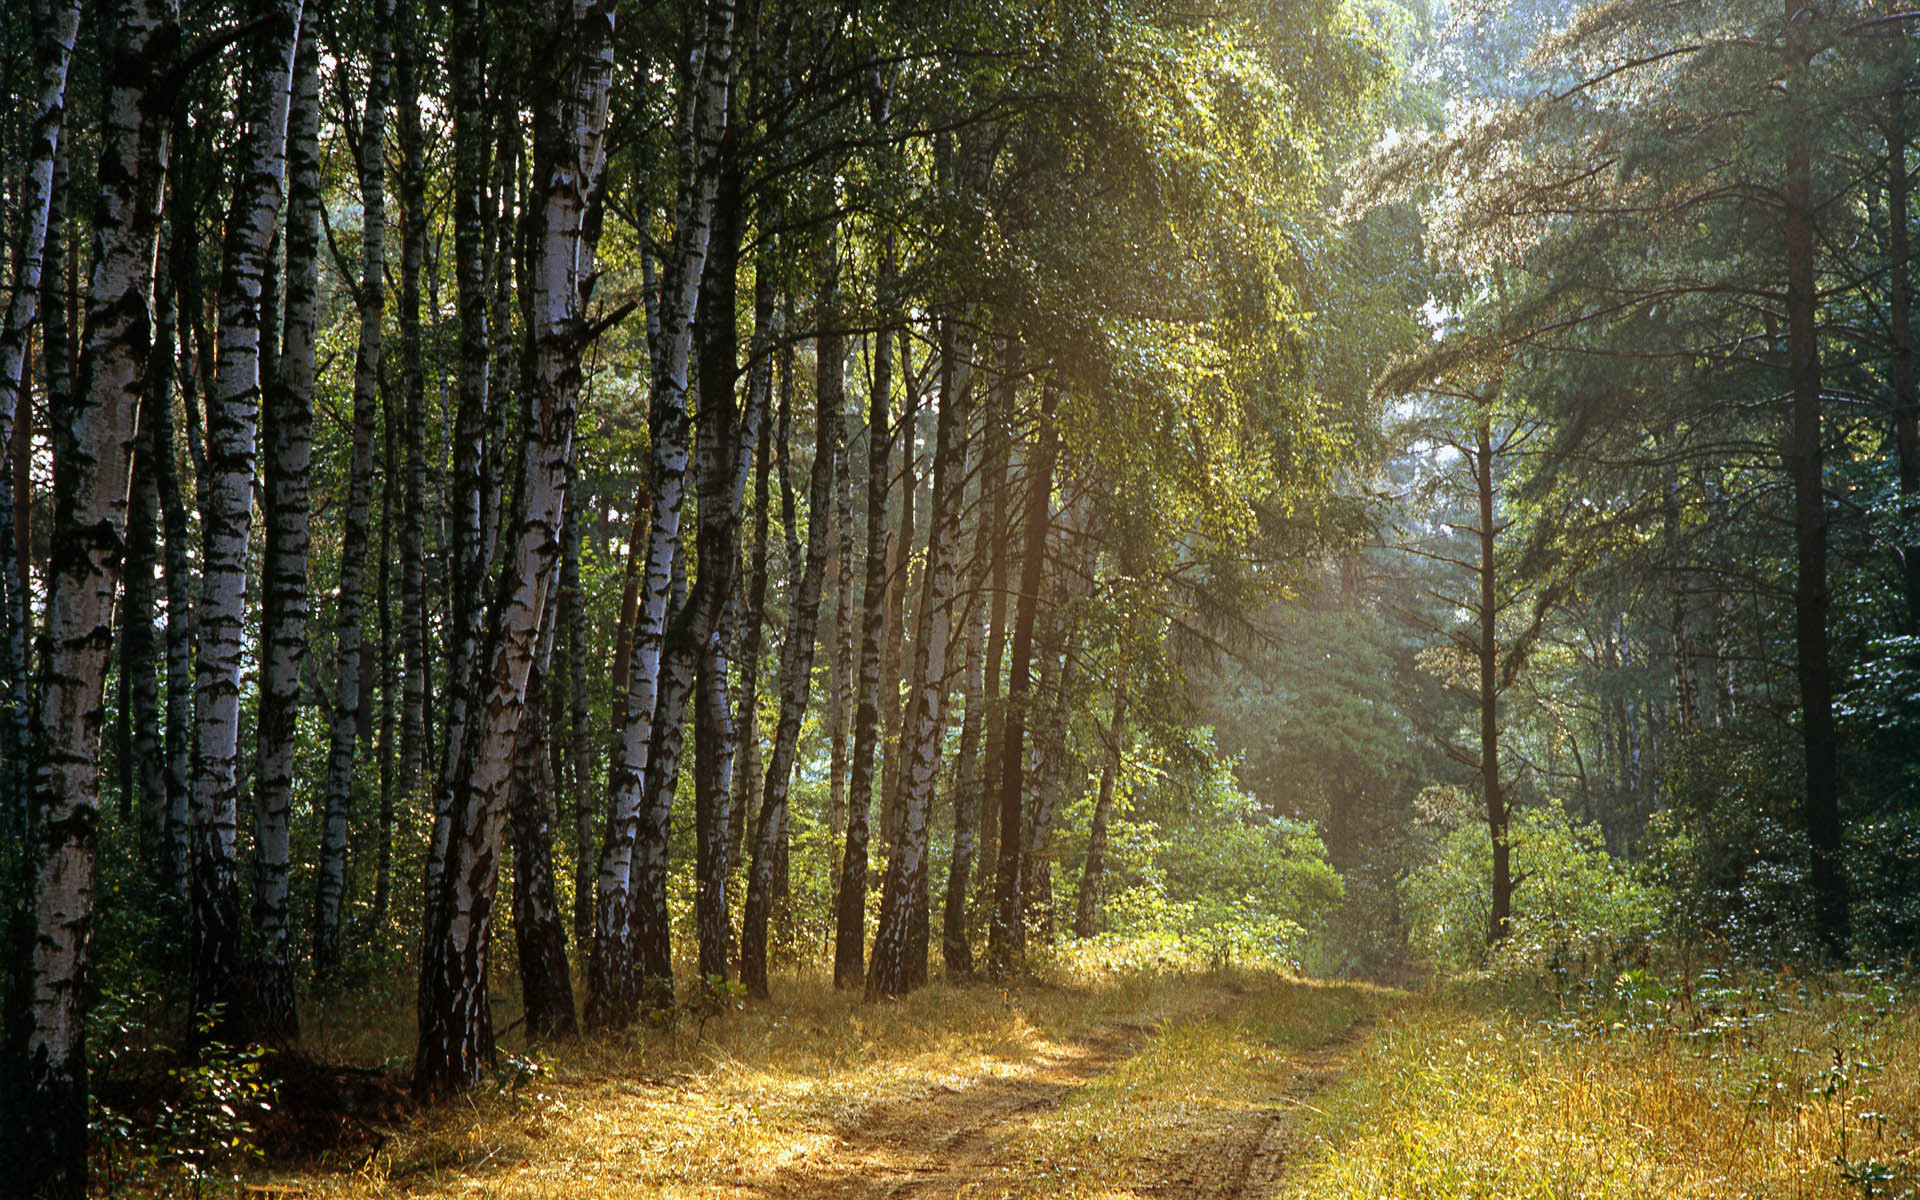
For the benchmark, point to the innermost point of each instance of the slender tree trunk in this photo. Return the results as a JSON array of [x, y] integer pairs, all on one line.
[[350, 691], [55, 28], [573, 619], [746, 722], [144, 767], [1053, 765], [689, 634], [473, 131], [796, 652], [93, 430], [899, 951], [728, 442], [1906, 397], [893, 707], [1086, 908], [546, 987], [456, 1025], [1811, 597], [288, 422], [999, 448], [416, 754], [181, 281], [1006, 942], [1488, 647], [389, 676], [632, 875], [955, 950], [850, 916], [227, 514]]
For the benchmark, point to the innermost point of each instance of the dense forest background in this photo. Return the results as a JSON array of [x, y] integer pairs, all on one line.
[[609, 503]]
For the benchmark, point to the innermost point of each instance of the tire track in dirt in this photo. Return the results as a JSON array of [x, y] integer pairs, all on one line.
[[1277, 1141], [953, 1142], [938, 1145]]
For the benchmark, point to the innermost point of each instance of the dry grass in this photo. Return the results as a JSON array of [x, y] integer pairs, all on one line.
[[1781, 1088], [752, 1096], [1185, 1115]]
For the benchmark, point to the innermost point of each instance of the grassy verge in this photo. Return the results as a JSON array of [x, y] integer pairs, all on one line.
[[1769, 1087]]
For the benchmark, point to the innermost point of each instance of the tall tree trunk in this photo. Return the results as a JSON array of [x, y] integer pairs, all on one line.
[[686, 645], [288, 425], [850, 916], [456, 1024], [899, 950], [955, 950], [144, 767], [1086, 908], [632, 875], [473, 132], [93, 431], [893, 707], [796, 652], [1487, 646], [55, 28], [389, 675], [1906, 397], [350, 691], [416, 756], [573, 620], [1006, 941], [181, 281], [728, 443], [998, 448], [746, 721], [1053, 765], [227, 515], [1811, 597], [546, 987]]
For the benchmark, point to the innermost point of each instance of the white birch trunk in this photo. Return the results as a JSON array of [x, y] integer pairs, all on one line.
[[623, 882], [94, 430], [349, 690], [53, 46], [456, 1024], [227, 514], [898, 961]]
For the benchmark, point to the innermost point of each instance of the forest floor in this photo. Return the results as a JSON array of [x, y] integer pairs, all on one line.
[[1137, 1081], [1128, 1080]]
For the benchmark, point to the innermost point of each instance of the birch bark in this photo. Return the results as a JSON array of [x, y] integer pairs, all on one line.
[[456, 1023], [899, 953], [350, 691], [226, 517], [94, 430]]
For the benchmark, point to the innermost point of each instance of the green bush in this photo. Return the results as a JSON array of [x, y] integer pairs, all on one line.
[[1574, 901]]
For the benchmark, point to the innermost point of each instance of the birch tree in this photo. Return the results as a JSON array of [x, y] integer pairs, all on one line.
[[350, 689], [632, 879], [456, 1022], [232, 428], [94, 431]]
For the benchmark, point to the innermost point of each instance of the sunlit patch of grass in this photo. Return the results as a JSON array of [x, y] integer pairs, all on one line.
[[1185, 1110], [705, 1111], [1784, 1088]]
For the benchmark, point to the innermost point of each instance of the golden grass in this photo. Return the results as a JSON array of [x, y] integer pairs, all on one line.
[[753, 1096], [1785, 1088], [1180, 1116]]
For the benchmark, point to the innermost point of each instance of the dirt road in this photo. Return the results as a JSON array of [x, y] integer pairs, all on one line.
[[965, 1141]]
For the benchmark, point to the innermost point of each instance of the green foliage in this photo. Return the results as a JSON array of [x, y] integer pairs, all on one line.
[[1575, 902], [1217, 874], [188, 1126]]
